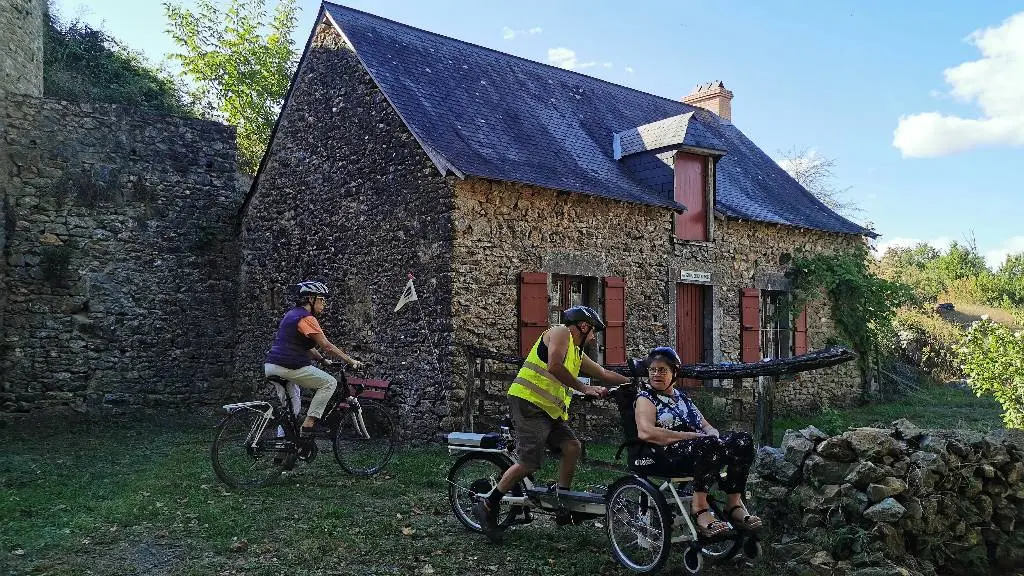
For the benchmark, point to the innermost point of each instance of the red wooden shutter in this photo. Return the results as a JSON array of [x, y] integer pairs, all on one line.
[[800, 333], [615, 318], [690, 191], [750, 322], [690, 327], [533, 309]]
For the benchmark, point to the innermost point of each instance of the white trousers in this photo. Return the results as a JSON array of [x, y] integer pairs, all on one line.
[[309, 377]]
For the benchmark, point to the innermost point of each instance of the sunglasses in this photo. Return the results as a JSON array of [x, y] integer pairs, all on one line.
[[659, 370]]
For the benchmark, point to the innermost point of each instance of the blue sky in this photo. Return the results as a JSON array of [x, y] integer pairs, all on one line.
[[833, 77]]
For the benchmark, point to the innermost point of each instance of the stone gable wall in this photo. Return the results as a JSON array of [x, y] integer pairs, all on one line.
[[350, 198], [898, 500], [120, 257], [21, 46]]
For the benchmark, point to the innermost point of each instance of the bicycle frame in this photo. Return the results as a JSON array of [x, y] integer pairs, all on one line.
[[683, 527]]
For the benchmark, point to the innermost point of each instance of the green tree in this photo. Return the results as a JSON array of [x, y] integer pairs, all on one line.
[[911, 265], [961, 261], [239, 61], [82, 64], [993, 359]]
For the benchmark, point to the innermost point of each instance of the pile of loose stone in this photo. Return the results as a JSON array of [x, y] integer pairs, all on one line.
[[899, 500]]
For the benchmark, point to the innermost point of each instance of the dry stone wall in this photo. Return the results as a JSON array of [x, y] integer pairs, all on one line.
[[120, 257], [21, 46], [351, 199], [898, 500]]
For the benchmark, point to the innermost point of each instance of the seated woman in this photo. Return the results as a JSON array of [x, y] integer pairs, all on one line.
[[680, 442]]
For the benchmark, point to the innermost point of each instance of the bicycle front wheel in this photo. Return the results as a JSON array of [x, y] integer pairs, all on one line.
[[365, 439], [245, 451]]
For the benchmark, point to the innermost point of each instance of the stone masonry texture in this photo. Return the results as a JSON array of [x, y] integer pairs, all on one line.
[[120, 257], [21, 46], [503, 229], [351, 199]]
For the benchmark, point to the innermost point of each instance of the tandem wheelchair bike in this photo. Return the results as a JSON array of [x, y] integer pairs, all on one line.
[[644, 515]]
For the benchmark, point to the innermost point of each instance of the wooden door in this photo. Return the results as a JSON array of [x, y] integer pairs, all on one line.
[[690, 327]]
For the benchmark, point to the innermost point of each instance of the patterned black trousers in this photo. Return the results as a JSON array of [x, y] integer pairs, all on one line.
[[703, 458]]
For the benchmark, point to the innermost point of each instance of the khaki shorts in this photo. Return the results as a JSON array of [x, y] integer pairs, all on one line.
[[536, 431]]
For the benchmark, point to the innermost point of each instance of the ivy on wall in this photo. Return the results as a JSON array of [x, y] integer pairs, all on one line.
[[862, 304]]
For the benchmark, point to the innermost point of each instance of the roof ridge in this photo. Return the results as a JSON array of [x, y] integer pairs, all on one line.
[[690, 107]]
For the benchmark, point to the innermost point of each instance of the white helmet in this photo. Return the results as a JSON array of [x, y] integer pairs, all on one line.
[[313, 288]]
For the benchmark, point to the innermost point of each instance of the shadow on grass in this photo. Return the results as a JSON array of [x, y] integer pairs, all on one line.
[[142, 499]]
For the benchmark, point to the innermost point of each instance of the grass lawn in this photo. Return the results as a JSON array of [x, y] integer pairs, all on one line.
[[932, 407], [143, 500]]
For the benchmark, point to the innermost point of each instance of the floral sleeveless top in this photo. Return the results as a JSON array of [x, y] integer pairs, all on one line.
[[676, 412]]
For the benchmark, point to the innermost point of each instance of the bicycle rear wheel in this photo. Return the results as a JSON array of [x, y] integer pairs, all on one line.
[[365, 454], [245, 451]]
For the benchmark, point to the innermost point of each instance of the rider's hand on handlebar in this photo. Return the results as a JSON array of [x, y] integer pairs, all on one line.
[[327, 361], [596, 391], [356, 364]]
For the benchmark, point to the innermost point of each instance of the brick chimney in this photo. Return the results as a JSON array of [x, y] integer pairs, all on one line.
[[713, 96]]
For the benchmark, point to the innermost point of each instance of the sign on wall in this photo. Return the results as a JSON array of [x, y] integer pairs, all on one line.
[[694, 277]]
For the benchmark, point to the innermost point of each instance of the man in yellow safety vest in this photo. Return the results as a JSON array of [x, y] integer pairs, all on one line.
[[539, 400]]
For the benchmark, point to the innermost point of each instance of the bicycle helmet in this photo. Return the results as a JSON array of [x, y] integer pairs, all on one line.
[[666, 354], [313, 288], [576, 314]]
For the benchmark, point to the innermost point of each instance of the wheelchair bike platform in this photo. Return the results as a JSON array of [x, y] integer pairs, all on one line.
[[645, 516]]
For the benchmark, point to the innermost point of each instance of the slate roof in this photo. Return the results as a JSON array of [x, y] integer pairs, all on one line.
[[486, 113]]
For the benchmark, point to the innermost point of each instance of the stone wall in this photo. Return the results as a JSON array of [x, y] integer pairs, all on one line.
[[503, 229], [756, 255], [120, 257], [899, 500], [21, 46], [350, 198]]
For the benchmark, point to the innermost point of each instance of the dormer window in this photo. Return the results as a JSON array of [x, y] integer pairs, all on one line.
[[691, 189]]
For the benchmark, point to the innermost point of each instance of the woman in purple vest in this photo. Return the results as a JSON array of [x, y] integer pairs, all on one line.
[[295, 347]]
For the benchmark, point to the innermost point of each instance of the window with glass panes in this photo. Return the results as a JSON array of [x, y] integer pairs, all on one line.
[[776, 326]]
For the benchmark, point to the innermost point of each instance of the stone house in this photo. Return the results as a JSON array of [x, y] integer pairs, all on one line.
[[513, 189]]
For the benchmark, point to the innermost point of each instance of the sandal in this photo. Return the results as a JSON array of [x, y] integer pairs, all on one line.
[[713, 528], [748, 521]]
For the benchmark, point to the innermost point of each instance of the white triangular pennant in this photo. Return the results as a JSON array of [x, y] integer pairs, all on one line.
[[407, 296]]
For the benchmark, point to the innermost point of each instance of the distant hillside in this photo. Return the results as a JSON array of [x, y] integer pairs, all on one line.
[[964, 314]]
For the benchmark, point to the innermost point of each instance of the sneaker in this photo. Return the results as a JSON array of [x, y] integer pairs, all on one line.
[[488, 520]]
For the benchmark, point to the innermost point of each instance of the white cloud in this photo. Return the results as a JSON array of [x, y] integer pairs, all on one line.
[[629, 69], [993, 82], [562, 57], [942, 243], [606, 64], [995, 257], [510, 34], [587, 64]]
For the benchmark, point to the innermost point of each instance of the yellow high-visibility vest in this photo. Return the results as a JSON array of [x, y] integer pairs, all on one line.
[[535, 384]]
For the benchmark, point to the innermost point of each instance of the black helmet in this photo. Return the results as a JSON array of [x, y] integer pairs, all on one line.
[[586, 314], [666, 354]]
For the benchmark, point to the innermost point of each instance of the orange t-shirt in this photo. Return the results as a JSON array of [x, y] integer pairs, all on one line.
[[309, 326]]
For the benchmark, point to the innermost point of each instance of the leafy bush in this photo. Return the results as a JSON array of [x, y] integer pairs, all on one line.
[[82, 64], [993, 358], [862, 304], [930, 342]]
